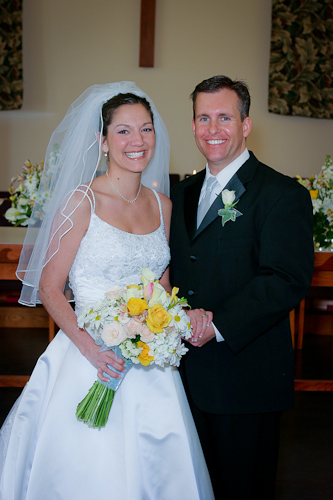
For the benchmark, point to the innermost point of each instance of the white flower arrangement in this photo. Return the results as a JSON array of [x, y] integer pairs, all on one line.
[[22, 193], [320, 187]]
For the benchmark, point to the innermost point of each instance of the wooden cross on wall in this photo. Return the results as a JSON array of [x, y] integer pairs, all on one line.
[[147, 33]]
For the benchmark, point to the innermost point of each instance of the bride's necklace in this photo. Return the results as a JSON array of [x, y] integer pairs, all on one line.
[[123, 197]]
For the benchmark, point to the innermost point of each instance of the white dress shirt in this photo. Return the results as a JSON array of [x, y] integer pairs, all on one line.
[[223, 177]]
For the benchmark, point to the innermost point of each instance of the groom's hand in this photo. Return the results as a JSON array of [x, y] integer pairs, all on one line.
[[202, 329]]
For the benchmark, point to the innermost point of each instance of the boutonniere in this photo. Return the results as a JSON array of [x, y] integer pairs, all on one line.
[[229, 211]]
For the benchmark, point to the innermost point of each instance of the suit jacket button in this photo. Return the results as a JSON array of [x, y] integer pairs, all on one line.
[[191, 292], [193, 258]]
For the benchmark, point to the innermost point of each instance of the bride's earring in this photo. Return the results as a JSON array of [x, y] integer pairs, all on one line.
[[106, 154]]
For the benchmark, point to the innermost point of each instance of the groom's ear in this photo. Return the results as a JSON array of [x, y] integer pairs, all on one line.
[[247, 126], [193, 126]]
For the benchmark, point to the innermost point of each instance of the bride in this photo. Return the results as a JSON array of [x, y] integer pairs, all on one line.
[[100, 230]]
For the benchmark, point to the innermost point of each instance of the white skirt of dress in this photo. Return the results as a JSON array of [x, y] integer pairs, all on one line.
[[148, 450]]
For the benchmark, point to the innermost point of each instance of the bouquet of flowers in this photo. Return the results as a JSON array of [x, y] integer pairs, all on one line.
[[321, 191], [141, 323], [23, 190]]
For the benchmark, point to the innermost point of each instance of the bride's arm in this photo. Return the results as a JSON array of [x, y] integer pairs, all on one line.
[[166, 209], [52, 282]]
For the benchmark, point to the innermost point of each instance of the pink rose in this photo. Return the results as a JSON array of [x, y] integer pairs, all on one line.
[[132, 328], [146, 334]]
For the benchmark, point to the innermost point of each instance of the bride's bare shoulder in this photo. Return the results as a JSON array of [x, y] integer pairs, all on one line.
[[166, 202]]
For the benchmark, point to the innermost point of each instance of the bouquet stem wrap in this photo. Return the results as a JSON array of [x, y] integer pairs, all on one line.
[[94, 409]]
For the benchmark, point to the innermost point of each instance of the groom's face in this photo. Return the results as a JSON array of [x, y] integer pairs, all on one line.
[[218, 129]]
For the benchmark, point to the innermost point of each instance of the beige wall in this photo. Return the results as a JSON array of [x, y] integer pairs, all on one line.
[[69, 45]]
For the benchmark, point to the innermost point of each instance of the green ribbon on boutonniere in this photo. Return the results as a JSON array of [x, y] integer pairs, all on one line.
[[229, 212]]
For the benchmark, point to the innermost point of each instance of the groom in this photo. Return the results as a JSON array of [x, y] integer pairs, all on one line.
[[250, 264]]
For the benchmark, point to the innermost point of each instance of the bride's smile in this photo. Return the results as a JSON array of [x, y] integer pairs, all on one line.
[[130, 139]]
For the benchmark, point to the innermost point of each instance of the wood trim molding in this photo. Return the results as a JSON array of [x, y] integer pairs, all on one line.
[[147, 33], [313, 385]]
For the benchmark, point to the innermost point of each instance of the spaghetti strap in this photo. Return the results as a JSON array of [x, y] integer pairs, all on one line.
[[160, 206], [88, 192]]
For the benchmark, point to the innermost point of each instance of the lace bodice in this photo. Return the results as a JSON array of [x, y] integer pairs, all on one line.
[[108, 256]]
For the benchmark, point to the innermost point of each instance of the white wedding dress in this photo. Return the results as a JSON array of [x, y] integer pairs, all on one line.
[[149, 448]]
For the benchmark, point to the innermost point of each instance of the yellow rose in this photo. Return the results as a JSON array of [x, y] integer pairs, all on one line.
[[136, 307], [158, 318], [144, 357], [314, 193]]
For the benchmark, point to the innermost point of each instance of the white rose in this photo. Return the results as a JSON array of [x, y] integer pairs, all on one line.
[[132, 292], [228, 197], [113, 334]]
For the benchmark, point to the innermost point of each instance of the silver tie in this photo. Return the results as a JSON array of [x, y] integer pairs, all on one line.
[[204, 205]]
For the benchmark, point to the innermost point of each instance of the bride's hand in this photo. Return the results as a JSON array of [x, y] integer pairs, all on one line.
[[200, 321], [101, 359]]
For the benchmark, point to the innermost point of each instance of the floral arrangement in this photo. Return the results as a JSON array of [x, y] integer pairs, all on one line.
[[320, 187], [141, 323], [229, 212], [23, 190]]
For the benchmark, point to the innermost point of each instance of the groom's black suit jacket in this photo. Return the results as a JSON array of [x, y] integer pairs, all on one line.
[[250, 273]]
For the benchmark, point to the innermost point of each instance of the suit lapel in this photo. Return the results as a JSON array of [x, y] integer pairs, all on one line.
[[233, 185], [191, 200], [192, 193]]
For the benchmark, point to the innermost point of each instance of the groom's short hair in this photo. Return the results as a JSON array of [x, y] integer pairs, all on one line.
[[219, 82]]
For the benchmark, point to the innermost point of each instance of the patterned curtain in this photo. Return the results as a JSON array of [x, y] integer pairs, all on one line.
[[11, 73], [301, 61]]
